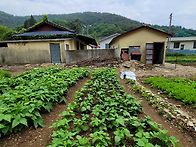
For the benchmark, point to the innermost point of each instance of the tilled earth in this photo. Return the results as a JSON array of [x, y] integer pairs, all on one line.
[[167, 70], [42, 136]]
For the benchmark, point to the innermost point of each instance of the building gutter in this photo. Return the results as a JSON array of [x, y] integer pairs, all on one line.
[[34, 40]]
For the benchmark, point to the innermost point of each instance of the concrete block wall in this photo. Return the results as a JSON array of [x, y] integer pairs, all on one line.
[[76, 56], [10, 56]]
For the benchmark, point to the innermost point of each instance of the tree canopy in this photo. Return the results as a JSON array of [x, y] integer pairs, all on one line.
[[95, 24], [5, 32], [29, 22]]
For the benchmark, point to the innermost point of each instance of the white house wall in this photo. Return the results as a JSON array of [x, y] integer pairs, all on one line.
[[104, 42], [188, 45]]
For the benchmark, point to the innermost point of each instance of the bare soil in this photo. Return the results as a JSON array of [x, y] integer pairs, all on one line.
[[168, 70], [40, 137], [184, 138]]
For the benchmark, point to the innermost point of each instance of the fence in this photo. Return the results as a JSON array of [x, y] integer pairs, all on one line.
[[185, 52], [11, 56], [33, 56], [76, 56]]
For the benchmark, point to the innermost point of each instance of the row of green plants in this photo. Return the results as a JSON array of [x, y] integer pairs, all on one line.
[[102, 114], [9, 83], [181, 59], [179, 88], [164, 107], [23, 98], [4, 74]]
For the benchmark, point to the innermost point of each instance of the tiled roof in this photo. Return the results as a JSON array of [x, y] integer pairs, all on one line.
[[44, 33]]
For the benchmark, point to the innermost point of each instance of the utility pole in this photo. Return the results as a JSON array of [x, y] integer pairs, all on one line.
[[169, 39], [170, 22], [170, 32]]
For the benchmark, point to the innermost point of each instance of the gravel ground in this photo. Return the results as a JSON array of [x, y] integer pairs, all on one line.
[[169, 70]]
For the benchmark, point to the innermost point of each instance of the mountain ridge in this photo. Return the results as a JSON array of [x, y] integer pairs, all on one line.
[[100, 23]]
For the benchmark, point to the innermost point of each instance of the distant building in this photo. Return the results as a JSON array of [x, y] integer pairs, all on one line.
[[143, 43], [104, 42], [46, 42], [182, 45]]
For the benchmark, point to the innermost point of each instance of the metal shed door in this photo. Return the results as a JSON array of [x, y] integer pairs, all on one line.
[[55, 52], [149, 53]]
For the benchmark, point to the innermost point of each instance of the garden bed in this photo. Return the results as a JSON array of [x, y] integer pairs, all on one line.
[[179, 88], [104, 115], [23, 98]]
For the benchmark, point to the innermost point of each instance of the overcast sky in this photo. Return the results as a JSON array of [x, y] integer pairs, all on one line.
[[148, 11]]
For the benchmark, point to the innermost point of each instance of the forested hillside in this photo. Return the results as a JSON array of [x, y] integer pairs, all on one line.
[[94, 24]]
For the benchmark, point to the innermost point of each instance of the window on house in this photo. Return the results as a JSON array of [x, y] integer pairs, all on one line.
[[176, 44], [66, 46], [181, 46], [194, 44], [3, 45], [134, 48], [107, 45]]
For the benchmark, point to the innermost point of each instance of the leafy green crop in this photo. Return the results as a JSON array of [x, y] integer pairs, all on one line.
[[24, 97], [179, 88], [102, 114], [4, 74]]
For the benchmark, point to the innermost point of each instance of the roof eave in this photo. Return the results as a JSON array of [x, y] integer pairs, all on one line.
[[143, 26], [34, 40]]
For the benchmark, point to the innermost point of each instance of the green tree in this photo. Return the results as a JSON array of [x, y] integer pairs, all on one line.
[[5, 32], [75, 25], [29, 22]]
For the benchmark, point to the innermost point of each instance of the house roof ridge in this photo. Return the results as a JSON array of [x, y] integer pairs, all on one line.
[[106, 37], [50, 23], [136, 28]]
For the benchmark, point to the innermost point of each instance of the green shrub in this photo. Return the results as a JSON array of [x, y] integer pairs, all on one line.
[[4, 74]]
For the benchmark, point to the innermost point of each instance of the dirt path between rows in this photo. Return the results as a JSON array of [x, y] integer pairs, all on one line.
[[189, 109], [185, 139], [41, 137]]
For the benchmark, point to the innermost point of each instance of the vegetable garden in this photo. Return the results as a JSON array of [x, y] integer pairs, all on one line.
[[181, 59], [102, 114], [24, 97], [178, 88], [4, 74]]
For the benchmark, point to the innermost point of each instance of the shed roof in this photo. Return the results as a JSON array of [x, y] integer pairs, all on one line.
[[137, 28], [110, 36], [176, 39]]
